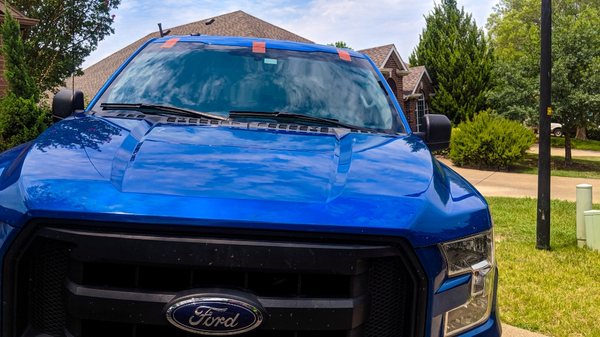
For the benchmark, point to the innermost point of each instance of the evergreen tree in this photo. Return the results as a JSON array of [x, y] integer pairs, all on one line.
[[21, 118], [16, 71], [459, 60]]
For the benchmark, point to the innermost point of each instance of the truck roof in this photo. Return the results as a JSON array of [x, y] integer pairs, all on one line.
[[248, 41]]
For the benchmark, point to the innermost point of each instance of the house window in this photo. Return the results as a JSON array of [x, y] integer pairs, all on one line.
[[422, 110]]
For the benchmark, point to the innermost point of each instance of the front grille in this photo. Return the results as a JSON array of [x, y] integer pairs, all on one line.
[[174, 279], [102, 329], [73, 281], [47, 270], [387, 285]]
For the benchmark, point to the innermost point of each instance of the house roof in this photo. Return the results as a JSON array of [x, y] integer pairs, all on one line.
[[20, 17], [236, 23], [410, 82], [380, 55]]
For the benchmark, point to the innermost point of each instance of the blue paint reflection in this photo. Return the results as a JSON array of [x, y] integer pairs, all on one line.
[[189, 175]]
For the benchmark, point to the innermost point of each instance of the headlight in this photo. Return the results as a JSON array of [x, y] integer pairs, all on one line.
[[474, 255]]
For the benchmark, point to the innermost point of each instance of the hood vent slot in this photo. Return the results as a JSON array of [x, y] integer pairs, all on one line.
[[251, 125]]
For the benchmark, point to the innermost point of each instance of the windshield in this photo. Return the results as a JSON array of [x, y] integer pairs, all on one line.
[[222, 79]]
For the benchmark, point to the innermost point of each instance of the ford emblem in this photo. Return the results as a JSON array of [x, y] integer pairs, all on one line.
[[215, 314]]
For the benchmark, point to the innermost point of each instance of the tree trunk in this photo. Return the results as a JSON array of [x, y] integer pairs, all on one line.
[[568, 158], [581, 134]]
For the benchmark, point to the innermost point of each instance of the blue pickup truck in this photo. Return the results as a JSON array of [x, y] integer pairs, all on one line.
[[224, 186]]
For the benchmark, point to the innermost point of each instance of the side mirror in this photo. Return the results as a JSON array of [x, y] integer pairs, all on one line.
[[437, 132], [65, 103]]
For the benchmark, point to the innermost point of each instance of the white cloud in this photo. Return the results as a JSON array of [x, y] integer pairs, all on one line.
[[362, 24], [480, 9]]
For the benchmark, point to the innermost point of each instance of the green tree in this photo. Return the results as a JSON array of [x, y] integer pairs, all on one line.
[[515, 35], [68, 31], [21, 118], [340, 44], [16, 71], [458, 57]]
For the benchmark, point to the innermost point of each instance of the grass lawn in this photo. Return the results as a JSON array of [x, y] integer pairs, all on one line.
[[583, 167], [553, 292], [592, 145]]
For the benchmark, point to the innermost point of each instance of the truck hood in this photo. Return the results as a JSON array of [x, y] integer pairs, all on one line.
[[109, 169]]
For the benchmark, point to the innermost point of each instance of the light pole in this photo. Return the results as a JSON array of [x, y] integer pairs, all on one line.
[[543, 204]]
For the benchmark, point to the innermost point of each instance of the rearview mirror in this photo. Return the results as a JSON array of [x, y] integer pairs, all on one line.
[[437, 130], [65, 103]]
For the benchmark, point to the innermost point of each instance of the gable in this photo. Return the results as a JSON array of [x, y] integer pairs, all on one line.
[[394, 60], [417, 77], [20, 17], [386, 57]]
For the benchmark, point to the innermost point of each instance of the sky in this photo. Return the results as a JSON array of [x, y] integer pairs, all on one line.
[[360, 23]]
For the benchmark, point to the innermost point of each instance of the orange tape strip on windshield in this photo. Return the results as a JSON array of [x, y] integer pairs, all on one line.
[[344, 55], [259, 47], [170, 43]]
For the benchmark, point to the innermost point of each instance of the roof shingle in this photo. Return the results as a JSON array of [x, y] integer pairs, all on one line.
[[411, 81], [378, 54]]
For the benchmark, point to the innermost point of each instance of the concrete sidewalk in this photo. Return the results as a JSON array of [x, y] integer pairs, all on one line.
[[511, 331], [504, 184], [560, 152]]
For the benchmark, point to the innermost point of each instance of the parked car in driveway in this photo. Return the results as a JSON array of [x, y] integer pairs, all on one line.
[[556, 129]]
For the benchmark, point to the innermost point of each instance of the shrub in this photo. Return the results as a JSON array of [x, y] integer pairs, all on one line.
[[21, 120], [489, 141]]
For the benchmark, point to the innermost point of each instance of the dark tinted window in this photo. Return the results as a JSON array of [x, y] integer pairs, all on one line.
[[219, 79]]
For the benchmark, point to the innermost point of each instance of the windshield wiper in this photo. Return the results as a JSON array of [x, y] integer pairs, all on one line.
[[279, 115], [158, 109]]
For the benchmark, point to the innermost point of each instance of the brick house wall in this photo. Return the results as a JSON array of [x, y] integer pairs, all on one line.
[[396, 79], [417, 85], [410, 109], [396, 72]]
